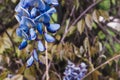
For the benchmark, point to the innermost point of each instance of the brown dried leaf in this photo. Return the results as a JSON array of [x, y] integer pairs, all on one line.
[[89, 21], [81, 26], [95, 16]]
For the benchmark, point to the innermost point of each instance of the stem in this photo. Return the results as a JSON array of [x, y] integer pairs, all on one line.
[[46, 56], [115, 57]]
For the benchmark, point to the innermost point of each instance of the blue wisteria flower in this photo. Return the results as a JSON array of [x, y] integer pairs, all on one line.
[[73, 72], [32, 16]]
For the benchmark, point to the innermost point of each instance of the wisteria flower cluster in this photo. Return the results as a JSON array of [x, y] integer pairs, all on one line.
[[32, 16], [73, 72]]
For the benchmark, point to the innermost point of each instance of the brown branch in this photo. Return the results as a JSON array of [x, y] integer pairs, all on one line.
[[3, 26], [115, 57]]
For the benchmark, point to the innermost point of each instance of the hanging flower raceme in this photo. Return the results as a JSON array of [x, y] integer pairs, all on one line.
[[73, 72], [32, 15]]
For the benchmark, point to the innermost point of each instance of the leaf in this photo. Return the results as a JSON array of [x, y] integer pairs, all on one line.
[[104, 14], [3, 75], [17, 77], [21, 70], [81, 26], [29, 73], [95, 16], [89, 21], [72, 29]]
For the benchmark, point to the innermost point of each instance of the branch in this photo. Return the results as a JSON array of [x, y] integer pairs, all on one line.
[[118, 56], [3, 26], [80, 16]]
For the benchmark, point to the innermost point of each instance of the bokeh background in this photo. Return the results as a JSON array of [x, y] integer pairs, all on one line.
[[89, 33]]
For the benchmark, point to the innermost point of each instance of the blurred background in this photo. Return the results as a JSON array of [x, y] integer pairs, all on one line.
[[89, 33]]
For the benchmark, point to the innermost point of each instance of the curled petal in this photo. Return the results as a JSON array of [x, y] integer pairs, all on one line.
[[51, 11], [19, 32], [53, 28], [18, 17], [25, 35], [39, 28], [33, 12], [27, 21], [43, 18], [49, 38], [41, 5], [34, 3], [35, 55], [32, 34], [23, 44], [54, 2], [30, 61], [41, 46], [24, 12]]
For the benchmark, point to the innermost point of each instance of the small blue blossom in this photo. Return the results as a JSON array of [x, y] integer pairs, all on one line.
[[73, 72], [32, 16]]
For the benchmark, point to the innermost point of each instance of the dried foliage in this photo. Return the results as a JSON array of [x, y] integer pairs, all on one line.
[[90, 33]]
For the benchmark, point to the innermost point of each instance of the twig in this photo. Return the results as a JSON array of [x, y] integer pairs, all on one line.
[[84, 12], [56, 74], [101, 66], [46, 56], [67, 25], [80, 16], [43, 78], [9, 37]]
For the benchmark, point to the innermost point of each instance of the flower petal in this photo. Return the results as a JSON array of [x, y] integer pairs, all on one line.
[[24, 12], [53, 28], [23, 44], [39, 28], [27, 21], [32, 34], [19, 32], [54, 2], [35, 55], [51, 11], [41, 46], [49, 38], [30, 61], [43, 18], [18, 17], [34, 12]]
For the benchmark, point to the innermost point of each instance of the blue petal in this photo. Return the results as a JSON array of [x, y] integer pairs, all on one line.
[[20, 4], [19, 32], [24, 12], [49, 38], [32, 34], [34, 12], [30, 61], [27, 21], [18, 17], [51, 11], [43, 18], [54, 2], [25, 35], [41, 5], [53, 28], [39, 28], [23, 44], [35, 3], [41, 46], [35, 55]]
